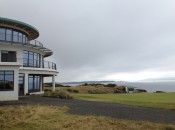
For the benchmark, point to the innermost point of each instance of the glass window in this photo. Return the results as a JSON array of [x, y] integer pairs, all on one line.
[[31, 59], [6, 80], [8, 56], [8, 35], [20, 37], [25, 58], [15, 36], [24, 39], [2, 34], [21, 84], [34, 83], [30, 83]]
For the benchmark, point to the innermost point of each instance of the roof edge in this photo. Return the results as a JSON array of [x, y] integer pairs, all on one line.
[[19, 22]]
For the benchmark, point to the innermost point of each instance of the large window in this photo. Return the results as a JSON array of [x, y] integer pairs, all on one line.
[[34, 83], [8, 35], [31, 59], [6, 80], [11, 35], [2, 34], [8, 56]]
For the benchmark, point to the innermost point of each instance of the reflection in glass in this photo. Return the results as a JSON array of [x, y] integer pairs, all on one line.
[[31, 59], [8, 35], [34, 83], [6, 80], [20, 37], [2, 34], [15, 36]]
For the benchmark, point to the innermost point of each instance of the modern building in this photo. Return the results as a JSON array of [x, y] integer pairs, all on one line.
[[22, 64]]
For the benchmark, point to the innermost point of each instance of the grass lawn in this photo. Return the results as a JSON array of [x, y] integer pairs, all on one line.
[[156, 100], [55, 118]]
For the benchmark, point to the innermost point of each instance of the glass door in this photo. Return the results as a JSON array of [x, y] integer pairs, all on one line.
[[21, 84]]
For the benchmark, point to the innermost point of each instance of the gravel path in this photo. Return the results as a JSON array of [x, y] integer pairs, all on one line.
[[101, 109]]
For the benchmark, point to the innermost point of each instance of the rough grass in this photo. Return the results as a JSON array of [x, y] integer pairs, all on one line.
[[55, 118], [98, 89], [156, 100]]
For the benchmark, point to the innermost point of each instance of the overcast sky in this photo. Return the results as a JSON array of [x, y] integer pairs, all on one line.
[[103, 39]]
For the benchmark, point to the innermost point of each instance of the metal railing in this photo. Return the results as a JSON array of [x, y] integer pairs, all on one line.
[[39, 64], [36, 43], [33, 63]]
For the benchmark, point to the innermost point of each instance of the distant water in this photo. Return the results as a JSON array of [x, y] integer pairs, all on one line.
[[166, 86]]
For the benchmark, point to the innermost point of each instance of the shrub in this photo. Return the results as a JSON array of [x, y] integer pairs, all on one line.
[[140, 91], [120, 89], [110, 85], [96, 91], [69, 90], [76, 91], [47, 90], [58, 94]]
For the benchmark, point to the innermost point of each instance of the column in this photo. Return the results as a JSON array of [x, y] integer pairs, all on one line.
[[41, 83], [53, 83], [26, 83]]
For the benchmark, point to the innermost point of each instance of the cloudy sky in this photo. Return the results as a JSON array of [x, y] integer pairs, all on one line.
[[103, 39]]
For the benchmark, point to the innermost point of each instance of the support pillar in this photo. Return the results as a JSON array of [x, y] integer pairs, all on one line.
[[53, 83], [26, 83], [41, 83]]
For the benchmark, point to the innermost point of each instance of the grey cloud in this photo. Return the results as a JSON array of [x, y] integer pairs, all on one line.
[[95, 38]]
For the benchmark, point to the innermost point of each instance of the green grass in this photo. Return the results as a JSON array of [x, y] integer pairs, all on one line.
[[55, 118], [156, 100]]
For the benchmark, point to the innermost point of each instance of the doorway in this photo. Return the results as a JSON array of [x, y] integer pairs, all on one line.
[[21, 84]]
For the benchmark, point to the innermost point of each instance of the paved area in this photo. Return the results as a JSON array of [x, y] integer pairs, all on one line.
[[101, 109]]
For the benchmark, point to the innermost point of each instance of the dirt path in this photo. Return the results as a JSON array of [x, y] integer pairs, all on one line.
[[101, 109]]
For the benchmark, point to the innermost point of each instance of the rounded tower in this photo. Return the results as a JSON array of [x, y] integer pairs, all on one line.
[[22, 64]]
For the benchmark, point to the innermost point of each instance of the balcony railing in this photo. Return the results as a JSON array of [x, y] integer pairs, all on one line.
[[39, 64], [33, 63]]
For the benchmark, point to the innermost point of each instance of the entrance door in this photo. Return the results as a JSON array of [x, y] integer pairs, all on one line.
[[21, 84]]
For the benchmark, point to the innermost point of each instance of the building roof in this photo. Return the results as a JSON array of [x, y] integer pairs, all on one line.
[[32, 32]]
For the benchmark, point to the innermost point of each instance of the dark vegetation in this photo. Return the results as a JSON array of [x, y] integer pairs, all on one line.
[[57, 94], [88, 88]]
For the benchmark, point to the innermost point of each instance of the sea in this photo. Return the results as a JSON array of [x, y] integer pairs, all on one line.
[[149, 86], [166, 86]]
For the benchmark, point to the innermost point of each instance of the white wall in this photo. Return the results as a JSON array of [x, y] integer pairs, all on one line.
[[17, 68], [10, 95]]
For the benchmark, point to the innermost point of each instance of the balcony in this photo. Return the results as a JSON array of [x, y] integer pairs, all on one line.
[[38, 64], [16, 39], [30, 63]]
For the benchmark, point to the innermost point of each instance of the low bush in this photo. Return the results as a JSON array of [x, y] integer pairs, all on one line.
[[120, 89], [46, 90], [96, 91], [110, 85], [69, 90], [76, 91], [58, 94], [140, 91]]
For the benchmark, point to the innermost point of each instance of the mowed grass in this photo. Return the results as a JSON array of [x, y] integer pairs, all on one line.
[[55, 118], [155, 100]]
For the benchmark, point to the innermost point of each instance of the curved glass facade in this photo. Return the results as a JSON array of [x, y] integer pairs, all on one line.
[[31, 59], [11, 35]]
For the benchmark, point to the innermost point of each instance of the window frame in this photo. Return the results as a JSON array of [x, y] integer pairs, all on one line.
[[4, 74]]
